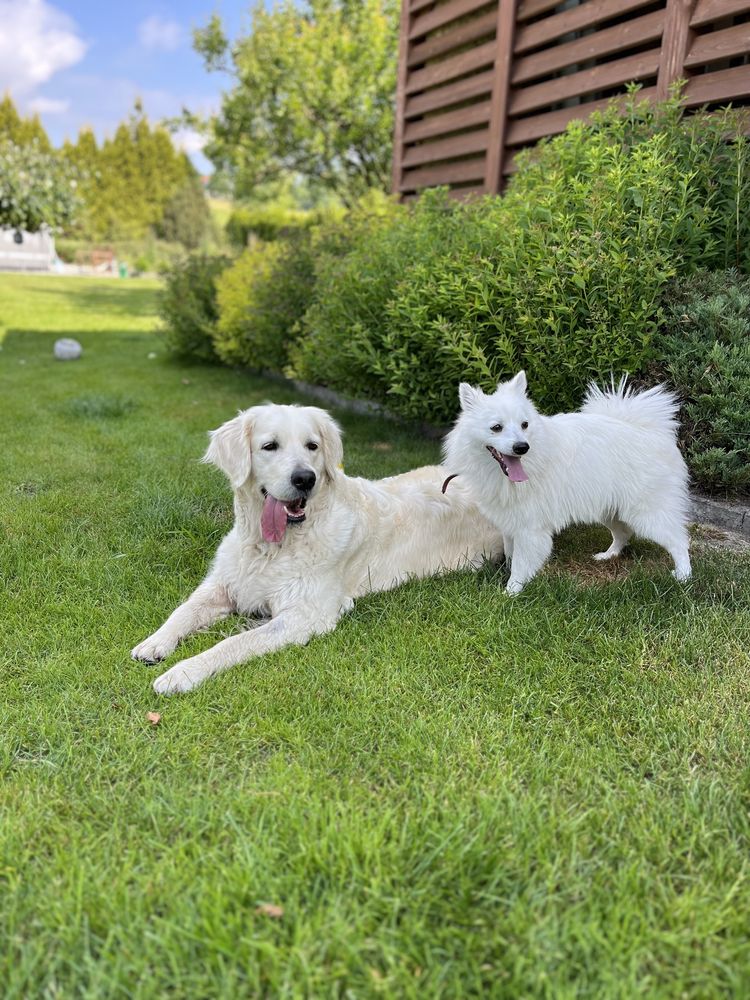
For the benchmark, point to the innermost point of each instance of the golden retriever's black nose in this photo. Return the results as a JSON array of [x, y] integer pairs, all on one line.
[[303, 480], [520, 448]]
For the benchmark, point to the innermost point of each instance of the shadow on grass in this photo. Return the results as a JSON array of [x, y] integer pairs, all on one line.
[[125, 300]]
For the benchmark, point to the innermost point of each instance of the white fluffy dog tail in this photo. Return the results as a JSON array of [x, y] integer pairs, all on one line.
[[652, 409]]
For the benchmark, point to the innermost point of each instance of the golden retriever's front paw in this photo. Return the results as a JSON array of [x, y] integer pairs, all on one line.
[[183, 676], [153, 649]]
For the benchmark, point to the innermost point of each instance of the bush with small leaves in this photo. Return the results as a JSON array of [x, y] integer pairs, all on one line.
[[188, 305], [704, 348]]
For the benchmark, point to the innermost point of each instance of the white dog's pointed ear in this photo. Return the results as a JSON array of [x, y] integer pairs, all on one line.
[[230, 449], [330, 441], [468, 395], [518, 382]]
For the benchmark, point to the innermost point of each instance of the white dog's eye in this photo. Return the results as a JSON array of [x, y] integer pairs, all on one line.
[[270, 446], [496, 428], [524, 425], [311, 446]]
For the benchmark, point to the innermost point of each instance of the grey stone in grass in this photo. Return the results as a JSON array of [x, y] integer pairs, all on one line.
[[67, 349]]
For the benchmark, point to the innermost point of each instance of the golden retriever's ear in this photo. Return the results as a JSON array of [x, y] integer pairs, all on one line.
[[231, 448], [330, 441]]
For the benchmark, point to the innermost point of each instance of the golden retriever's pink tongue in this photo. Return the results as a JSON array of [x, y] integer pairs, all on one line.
[[516, 472], [273, 519]]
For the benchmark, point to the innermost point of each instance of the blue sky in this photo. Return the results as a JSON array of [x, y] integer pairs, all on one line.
[[82, 63]]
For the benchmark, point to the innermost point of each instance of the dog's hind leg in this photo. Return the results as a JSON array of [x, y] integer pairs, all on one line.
[[206, 605], [531, 550], [670, 532], [621, 534]]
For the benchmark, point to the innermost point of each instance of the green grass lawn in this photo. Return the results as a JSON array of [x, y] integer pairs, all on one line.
[[454, 794]]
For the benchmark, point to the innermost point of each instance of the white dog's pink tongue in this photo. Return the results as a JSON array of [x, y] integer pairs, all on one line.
[[273, 519], [516, 472]]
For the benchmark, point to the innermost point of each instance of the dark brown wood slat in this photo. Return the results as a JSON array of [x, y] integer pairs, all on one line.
[[719, 45], [449, 69], [711, 10], [530, 8], [428, 128], [674, 45], [446, 149], [723, 85], [647, 28], [444, 14], [509, 165], [522, 131], [444, 173], [443, 97], [610, 74], [585, 15], [460, 35], [506, 23], [416, 5], [398, 127]]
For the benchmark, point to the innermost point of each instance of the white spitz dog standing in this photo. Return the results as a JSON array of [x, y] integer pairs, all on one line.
[[616, 462]]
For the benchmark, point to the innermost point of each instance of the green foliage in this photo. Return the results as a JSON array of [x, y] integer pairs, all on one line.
[[188, 306], [562, 276], [137, 183], [705, 353], [265, 222], [187, 217], [312, 95], [21, 131], [36, 188], [261, 300]]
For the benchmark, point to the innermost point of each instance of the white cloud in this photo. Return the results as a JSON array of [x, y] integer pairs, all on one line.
[[48, 106], [36, 41], [189, 140], [159, 33]]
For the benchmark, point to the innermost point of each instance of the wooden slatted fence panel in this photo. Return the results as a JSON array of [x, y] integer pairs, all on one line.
[[479, 80]]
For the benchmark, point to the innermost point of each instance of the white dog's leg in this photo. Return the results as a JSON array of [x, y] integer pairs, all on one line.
[[292, 627], [621, 534], [671, 534], [206, 605], [531, 550]]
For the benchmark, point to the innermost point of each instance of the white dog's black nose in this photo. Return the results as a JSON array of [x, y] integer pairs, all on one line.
[[520, 448], [303, 480]]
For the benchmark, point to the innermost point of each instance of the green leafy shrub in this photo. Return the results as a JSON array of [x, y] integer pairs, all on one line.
[[705, 351], [37, 188], [264, 222], [563, 275], [188, 305], [261, 299]]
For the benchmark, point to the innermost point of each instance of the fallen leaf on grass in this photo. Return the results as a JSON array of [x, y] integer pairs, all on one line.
[[186, 381], [154, 718], [270, 910], [382, 446]]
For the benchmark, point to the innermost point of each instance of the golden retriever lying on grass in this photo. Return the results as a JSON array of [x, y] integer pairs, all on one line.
[[307, 539]]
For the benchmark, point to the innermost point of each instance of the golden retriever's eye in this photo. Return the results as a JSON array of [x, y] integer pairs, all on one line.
[[524, 425], [496, 428], [311, 446], [270, 446]]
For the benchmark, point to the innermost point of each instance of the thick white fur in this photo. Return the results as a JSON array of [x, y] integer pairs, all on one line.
[[358, 537], [616, 462]]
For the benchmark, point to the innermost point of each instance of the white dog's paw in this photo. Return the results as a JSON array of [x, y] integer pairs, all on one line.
[[153, 649], [604, 556], [682, 574], [513, 588], [183, 676]]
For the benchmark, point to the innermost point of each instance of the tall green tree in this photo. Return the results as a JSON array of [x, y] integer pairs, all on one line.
[[21, 131], [312, 95]]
